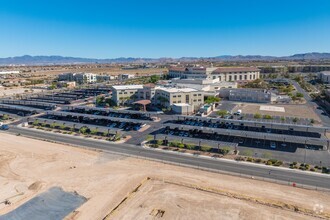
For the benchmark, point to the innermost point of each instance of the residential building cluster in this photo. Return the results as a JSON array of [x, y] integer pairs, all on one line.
[[79, 78]]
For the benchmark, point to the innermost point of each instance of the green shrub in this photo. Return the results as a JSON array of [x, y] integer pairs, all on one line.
[[154, 145], [273, 160], [294, 163], [239, 158], [249, 159], [94, 131], [269, 162], [278, 163], [190, 146], [258, 160], [257, 115], [180, 145], [206, 148], [174, 144], [83, 130], [267, 117], [225, 150], [105, 134]]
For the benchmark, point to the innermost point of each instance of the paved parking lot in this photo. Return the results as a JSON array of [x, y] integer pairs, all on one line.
[[110, 113], [291, 111], [230, 126], [18, 110], [240, 141], [87, 119], [260, 148]]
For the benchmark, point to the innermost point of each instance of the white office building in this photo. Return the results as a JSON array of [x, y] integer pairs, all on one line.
[[325, 76], [224, 74]]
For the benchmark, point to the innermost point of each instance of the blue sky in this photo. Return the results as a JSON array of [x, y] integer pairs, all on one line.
[[163, 28]]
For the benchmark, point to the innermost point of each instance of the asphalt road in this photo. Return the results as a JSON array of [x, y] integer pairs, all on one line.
[[286, 175], [325, 118]]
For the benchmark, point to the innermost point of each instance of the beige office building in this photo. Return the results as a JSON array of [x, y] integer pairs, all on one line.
[[125, 94], [170, 96]]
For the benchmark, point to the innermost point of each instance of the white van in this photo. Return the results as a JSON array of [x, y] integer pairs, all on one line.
[[239, 112]]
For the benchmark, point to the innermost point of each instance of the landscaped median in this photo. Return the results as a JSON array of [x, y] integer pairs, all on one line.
[[226, 152], [189, 148], [84, 131]]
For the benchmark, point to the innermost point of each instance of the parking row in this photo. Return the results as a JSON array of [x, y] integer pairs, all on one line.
[[19, 110], [276, 119], [242, 127], [106, 122], [30, 104], [240, 141], [109, 112]]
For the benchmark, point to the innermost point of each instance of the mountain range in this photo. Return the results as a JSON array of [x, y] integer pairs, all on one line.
[[56, 60]]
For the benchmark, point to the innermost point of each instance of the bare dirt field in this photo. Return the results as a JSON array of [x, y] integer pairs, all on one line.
[[300, 111], [104, 70], [119, 187]]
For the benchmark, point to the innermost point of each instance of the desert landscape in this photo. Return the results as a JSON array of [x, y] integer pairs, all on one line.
[[120, 187]]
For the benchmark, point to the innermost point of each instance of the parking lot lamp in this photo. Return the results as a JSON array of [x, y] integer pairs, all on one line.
[[305, 151]]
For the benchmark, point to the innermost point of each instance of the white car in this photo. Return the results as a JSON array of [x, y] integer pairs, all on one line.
[[273, 145]]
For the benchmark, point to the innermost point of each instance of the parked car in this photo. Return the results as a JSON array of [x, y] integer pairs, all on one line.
[[273, 145], [4, 127]]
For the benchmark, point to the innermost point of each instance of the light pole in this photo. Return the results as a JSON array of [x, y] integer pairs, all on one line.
[[305, 152]]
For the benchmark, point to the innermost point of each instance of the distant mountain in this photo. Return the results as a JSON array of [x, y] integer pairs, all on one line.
[[53, 60]]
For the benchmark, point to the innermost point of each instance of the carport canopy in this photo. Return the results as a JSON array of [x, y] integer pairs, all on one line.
[[144, 102]]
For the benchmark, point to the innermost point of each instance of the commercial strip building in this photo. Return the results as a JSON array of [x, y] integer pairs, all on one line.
[[224, 74], [247, 95], [325, 76]]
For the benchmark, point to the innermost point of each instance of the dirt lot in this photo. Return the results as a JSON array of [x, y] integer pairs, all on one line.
[[119, 187], [300, 111], [103, 70]]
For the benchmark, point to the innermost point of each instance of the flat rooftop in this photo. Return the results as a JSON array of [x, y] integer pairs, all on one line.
[[173, 89], [182, 104], [123, 87], [325, 72]]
